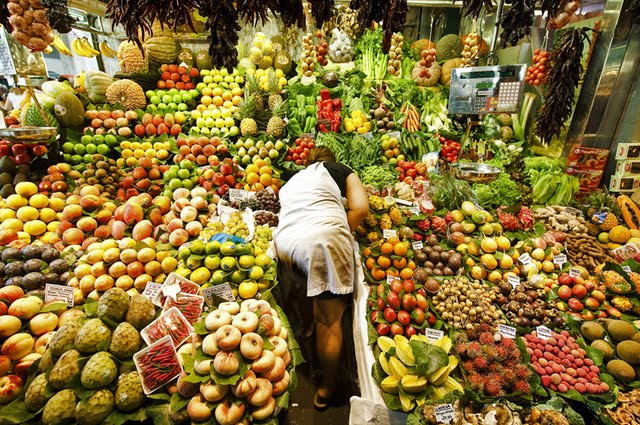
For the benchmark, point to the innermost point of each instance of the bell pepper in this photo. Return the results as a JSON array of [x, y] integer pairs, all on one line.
[[325, 94], [323, 128], [337, 103], [311, 109], [294, 127]]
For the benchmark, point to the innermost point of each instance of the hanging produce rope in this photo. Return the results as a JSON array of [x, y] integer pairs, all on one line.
[[394, 20], [254, 11], [368, 11], [563, 79], [222, 22], [475, 7], [322, 11], [291, 13], [4, 16], [58, 15], [550, 7], [517, 21]]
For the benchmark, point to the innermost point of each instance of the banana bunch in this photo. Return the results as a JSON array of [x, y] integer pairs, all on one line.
[[60, 46], [397, 360], [82, 47], [106, 50]]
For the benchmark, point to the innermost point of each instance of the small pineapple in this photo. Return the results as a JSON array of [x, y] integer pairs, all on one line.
[[593, 229], [275, 126], [599, 201], [609, 222], [252, 88], [245, 113], [274, 91]]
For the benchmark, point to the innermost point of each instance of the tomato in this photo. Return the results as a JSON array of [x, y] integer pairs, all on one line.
[[304, 145], [298, 150], [312, 145], [296, 157]]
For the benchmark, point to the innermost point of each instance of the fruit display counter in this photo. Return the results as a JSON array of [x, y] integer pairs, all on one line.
[[138, 272]]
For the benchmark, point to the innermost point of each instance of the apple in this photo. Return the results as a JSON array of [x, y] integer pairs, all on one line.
[[579, 291], [408, 286], [404, 318], [565, 279], [393, 300], [575, 304], [410, 331], [390, 315], [564, 292], [10, 387], [409, 302]]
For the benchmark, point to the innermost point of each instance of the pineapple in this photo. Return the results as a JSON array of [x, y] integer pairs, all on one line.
[[274, 91], [275, 126], [245, 114], [599, 201], [609, 222], [593, 229], [252, 87]]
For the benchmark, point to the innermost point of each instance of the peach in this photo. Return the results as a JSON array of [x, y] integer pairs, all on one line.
[[188, 214], [229, 413], [281, 386], [117, 269], [178, 237], [22, 367], [87, 224], [64, 226], [163, 203], [186, 389], [155, 216], [276, 373], [3, 308], [117, 229], [175, 224], [104, 215], [180, 193], [118, 213], [193, 228], [203, 367], [7, 236], [199, 203], [225, 363], [133, 213], [128, 255], [9, 325], [197, 409], [89, 190], [42, 343], [180, 204], [104, 282], [42, 323], [71, 212], [142, 230], [91, 202], [246, 385], [10, 388], [135, 269], [5, 365], [265, 411], [102, 232], [73, 199], [11, 293], [88, 242], [73, 237], [17, 346], [125, 282], [213, 392], [262, 394], [25, 308]]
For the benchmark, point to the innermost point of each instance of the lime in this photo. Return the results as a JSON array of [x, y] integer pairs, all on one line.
[[86, 139], [167, 99], [87, 159], [91, 148], [103, 149], [174, 184], [172, 92], [67, 147], [110, 139], [160, 93], [182, 107], [187, 184], [238, 276], [79, 149], [170, 175], [155, 100], [75, 159], [177, 98], [173, 106], [98, 139], [219, 277]]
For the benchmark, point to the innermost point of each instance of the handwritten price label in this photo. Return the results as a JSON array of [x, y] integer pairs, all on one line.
[[389, 233], [59, 293], [171, 290], [434, 334], [151, 290], [543, 332], [525, 258], [444, 413], [222, 291], [560, 259], [417, 245], [391, 279], [507, 331], [574, 272], [513, 280]]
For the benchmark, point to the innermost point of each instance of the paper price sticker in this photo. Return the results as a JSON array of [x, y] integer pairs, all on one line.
[[237, 195], [391, 279], [151, 290], [171, 290], [574, 272], [525, 258], [560, 259], [513, 280], [403, 202], [433, 334], [543, 332], [507, 331], [222, 291], [59, 293], [389, 233], [627, 269], [444, 413], [417, 245], [415, 208]]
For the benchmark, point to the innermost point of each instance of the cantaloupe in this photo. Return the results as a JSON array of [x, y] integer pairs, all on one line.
[[68, 110]]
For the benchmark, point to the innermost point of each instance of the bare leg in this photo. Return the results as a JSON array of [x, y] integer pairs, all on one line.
[[328, 314]]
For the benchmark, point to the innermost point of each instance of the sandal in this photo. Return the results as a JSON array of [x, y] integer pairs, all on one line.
[[320, 403]]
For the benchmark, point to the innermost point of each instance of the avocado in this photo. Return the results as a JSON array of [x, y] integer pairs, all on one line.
[[19, 178], [32, 265], [59, 266], [5, 178], [11, 254], [32, 281], [7, 190], [7, 165], [14, 269]]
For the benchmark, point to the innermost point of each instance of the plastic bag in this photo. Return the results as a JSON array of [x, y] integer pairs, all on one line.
[[340, 47]]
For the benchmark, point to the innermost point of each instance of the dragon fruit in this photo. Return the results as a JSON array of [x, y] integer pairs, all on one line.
[[526, 218], [439, 225], [423, 225], [448, 217], [508, 221]]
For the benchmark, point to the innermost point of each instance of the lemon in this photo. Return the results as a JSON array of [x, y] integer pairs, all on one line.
[[248, 289], [12, 224], [263, 261], [7, 213], [53, 226], [35, 227], [169, 264], [39, 201], [16, 201], [47, 214], [24, 236], [26, 189]]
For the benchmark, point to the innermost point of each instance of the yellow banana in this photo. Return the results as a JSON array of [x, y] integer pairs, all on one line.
[[87, 46], [60, 46], [77, 48], [106, 50]]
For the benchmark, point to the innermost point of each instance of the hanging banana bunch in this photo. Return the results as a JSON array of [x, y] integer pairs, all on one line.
[[60, 46], [81, 47]]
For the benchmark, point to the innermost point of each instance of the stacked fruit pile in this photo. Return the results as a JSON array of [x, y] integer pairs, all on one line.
[[146, 177], [201, 150]]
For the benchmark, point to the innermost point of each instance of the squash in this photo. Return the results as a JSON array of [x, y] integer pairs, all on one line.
[[449, 47], [131, 58], [127, 93], [447, 67], [428, 79], [54, 88], [96, 84], [69, 110], [161, 50], [625, 203], [420, 45], [186, 56]]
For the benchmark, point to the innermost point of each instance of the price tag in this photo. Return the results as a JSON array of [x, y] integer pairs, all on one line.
[[151, 290], [543, 332], [391, 279], [403, 202], [433, 334], [507, 331], [444, 413], [415, 209], [220, 291], [627, 269], [525, 258], [417, 245], [513, 280], [171, 290], [59, 293], [560, 259], [574, 272], [237, 195], [573, 211], [389, 233]]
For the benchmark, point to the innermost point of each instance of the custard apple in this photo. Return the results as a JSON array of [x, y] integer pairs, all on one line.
[[129, 394], [95, 409], [93, 336], [61, 407], [113, 305], [35, 397], [63, 339], [99, 371], [141, 312], [66, 368], [125, 341], [46, 361]]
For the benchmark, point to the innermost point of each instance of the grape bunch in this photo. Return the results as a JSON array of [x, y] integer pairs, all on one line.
[[262, 239], [269, 201], [265, 218], [236, 226], [252, 203]]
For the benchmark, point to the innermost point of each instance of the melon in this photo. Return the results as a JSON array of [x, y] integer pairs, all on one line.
[[54, 88], [203, 60], [449, 47], [161, 50], [68, 110], [96, 84]]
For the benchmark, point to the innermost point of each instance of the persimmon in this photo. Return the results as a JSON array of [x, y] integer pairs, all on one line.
[[384, 261], [386, 248], [370, 263]]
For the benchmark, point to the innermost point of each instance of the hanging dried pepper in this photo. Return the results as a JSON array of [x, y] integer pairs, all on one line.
[[4, 16], [254, 11], [394, 20], [563, 79], [291, 12], [368, 11], [222, 22], [517, 21], [322, 11], [551, 7], [474, 7], [58, 15]]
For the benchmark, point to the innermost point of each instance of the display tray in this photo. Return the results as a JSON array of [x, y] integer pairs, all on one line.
[[476, 172], [30, 135]]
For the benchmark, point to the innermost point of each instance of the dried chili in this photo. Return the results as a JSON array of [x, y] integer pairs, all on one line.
[[563, 79], [222, 22], [517, 21], [291, 12], [58, 15], [634, 10], [322, 11], [255, 11], [394, 20], [550, 7], [474, 8], [133, 16], [368, 11], [158, 365]]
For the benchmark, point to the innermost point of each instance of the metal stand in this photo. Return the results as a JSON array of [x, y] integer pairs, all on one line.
[[492, 59]]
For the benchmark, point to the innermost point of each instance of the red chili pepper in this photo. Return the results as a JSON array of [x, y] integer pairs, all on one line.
[[322, 128], [325, 95], [337, 103], [327, 105]]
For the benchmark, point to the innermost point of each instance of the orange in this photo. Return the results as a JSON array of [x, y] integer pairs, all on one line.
[[393, 240], [266, 170], [377, 273], [258, 186], [384, 262], [406, 273], [265, 179], [401, 249], [252, 168], [411, 264], [399, 263], [370, 263], [252, 178], [392, 271], [366, 252], [260, 163], [386, 248]]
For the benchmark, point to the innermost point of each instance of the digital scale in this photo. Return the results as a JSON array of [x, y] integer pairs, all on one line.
[[487, 89]]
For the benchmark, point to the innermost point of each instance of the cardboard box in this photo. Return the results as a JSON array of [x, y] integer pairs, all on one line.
[[628, 151], [587, 158], [627, 167], [589, 178], [623, 183]]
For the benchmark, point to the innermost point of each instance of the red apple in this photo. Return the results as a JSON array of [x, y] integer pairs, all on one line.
[[564, 292], [404, 317], [383, 329], [575, 304], [390, 315], [565, 279]]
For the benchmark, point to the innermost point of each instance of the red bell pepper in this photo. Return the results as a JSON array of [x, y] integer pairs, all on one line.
[[325, 95], [337, 103]]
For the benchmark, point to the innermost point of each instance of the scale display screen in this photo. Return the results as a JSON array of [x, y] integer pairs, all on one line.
[[486, 89]]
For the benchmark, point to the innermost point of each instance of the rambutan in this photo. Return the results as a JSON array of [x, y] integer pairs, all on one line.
[[496, 368], [508, 343], [492, 387], [509, 376], [523, 387], [486, 338], [460, 338], [502, 353], [480, 363], [522, 372], [474, 350], [468, 365], [462, 349], [476, 381], [483, 327], [490, 352]]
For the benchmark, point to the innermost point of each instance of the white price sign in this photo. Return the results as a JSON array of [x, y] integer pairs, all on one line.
[[626, 269], [543, 332], [403, 202], [434, 334], [171, 290], [560, 259], [391, 279], [525, 258], [507, 331], [513, 280], [417, 245], [415, 209], [223, 291], [151, 290], [574, 272], [444, 413], [59, 293], [389, 233]]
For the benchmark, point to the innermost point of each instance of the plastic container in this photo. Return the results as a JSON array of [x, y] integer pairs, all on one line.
[[189, 305], [157, 364], [186, 286], [172, 323]]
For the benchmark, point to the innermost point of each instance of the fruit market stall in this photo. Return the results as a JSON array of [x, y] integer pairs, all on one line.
[[498, 280]]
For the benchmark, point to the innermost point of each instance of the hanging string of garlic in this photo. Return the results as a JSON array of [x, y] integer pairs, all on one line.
[[308, 57], [471, 46]]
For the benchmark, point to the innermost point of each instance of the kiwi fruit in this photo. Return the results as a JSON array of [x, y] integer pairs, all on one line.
[[629, 351], [620, 330], [10, 254], [621, 370], [592, 330], [604, 347]]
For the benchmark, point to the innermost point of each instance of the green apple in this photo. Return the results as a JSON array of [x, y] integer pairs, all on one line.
[[155, 100], [229, 122], [67, 148], [210, 122], [234, 130], [201, 122], [86, 139], [182, 107], [205, 131]]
